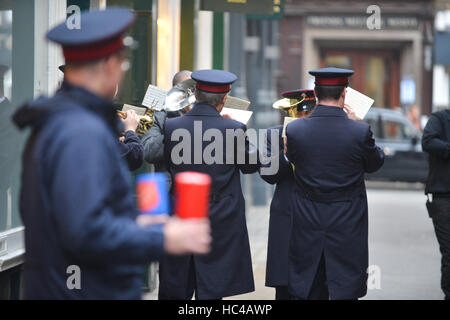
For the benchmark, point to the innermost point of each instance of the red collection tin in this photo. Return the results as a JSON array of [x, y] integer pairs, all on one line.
[[192, 194]]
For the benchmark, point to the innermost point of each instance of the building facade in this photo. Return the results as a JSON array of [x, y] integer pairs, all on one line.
[[389, 45]]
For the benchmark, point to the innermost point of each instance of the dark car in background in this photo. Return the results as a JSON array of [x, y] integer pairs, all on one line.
[[401, 142]]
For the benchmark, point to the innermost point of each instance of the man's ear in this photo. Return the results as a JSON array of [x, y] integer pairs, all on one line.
[[344, 92], [224, 99]]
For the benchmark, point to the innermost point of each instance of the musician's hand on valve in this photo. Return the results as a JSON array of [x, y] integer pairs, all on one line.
[[131, 121]]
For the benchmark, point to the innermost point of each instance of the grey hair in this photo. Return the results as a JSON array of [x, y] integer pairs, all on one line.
[[181, 76], [213, 99]]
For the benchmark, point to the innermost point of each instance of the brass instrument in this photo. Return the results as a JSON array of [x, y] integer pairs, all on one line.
[[294, 106], [180, 96], [145, 122]]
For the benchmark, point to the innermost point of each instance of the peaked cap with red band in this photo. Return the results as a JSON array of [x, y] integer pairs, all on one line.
[[331, 76], [307, 98], [100, 34], [214, 81]]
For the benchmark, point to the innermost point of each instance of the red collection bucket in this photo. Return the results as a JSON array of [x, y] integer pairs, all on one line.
[[192, 195]]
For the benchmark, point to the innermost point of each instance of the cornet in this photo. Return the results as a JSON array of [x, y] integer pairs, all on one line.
[[145, 122]]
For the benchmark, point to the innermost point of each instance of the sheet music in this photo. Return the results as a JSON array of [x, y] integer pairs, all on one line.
[[287, 120], [359, 102], [238, 115], [140, 111], [154, 98], [236, 103]]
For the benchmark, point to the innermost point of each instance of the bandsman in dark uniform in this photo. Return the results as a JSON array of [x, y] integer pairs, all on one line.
[[328, 255], [297, 104], [76, 199], [227, 269]]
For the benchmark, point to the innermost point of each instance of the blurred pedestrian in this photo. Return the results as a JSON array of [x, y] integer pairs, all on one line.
[[328, 254], [76, 200], [227, 269], [300, 103], [436, 142], [414, 116]]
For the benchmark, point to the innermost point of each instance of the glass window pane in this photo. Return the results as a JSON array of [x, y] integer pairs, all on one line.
[[138, 78], [16, 86], [394, 130]]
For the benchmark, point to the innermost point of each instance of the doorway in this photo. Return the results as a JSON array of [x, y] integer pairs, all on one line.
[[376, 73]]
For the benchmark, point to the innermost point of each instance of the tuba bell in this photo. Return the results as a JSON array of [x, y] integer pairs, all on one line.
[[180, 96]]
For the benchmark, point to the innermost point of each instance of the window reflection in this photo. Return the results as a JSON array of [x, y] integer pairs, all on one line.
[[8, 134], [394, 130]]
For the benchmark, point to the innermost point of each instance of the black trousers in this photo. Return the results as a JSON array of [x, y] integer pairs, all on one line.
[[190, 290], [441, 222], [282, 293]]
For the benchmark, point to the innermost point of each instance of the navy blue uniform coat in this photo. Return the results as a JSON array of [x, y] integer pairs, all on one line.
[[280, 215], [331, 153], [77, 204], [132, 150], [227, 269]]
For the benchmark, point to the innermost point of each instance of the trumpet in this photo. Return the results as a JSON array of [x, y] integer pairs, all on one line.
[[145, 122]]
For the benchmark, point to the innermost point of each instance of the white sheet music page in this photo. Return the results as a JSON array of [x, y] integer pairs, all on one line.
[[154, 98], [238, 115], [359, 102]]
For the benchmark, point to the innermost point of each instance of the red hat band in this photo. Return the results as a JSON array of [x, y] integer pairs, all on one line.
[[213, 88], [91, 52], [342, 81]]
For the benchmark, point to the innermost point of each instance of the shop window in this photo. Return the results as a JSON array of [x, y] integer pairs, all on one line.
[[16, 86], [139, 76]]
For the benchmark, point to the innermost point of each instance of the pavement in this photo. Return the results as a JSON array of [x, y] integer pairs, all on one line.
[[403, 250]]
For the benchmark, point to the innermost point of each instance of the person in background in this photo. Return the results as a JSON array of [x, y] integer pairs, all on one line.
[[414, 116], [76, 199], [436, 142], [153, 139], [280, 223]]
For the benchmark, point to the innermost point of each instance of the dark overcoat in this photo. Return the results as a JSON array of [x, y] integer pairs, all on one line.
[[280, 213], [132, 150], [77, 204], [227, 269], [330, 153]]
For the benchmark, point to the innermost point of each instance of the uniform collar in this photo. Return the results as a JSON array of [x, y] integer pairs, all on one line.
[[203, 109], [99, 106], [327, 111]]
